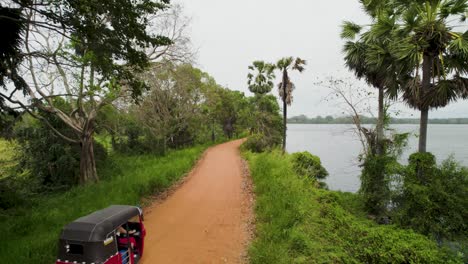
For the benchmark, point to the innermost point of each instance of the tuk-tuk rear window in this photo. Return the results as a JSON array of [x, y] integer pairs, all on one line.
[[75, 249]]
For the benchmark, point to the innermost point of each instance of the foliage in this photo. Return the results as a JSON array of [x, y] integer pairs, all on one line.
[[56, 168], [260, 77], [432, 198], [377, 176], [184, 106], [92, 50], [36, 227], [230, 110], [297, 223], [308, 165], [259, 143], [7, 157], [265, 125], [286, 87]]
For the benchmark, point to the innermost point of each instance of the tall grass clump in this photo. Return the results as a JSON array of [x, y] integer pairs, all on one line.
[[30, 233], [299, 223]]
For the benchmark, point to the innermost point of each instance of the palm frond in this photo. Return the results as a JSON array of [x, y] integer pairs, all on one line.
[[284, 63], [382, 28], [440, 95], [412, 92], [350, 30], [453, 8], [459, 44], [260, 82], [299, 64]]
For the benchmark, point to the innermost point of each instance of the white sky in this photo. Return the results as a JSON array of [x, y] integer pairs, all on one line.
[[230, 35]]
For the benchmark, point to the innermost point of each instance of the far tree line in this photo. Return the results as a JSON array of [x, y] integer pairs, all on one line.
[[303, 119]]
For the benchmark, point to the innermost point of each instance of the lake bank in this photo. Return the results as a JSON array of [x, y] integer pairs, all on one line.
[[338, 147]]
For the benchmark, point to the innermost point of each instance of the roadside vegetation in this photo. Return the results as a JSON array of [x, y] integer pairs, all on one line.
[[33, 226], [300, 223]]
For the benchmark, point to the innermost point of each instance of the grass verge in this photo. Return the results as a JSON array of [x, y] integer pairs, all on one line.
[[30, 233], [297, 223]]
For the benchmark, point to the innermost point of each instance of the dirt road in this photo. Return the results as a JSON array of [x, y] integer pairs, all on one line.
[[206, 219]]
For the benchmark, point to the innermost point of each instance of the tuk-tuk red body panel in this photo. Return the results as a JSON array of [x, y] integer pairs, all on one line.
[[116, 259]]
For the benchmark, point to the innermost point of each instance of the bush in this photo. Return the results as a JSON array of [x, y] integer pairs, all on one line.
[[308, 165], [48, 159], [433, 198], [375, 183], [259, 143]]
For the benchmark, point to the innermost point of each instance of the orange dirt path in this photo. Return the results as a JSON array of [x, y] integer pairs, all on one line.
[[205, 220]]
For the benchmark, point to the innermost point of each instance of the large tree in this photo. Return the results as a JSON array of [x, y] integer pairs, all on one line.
[[371, 59], [87, 52], [286, 87], [171, 108]]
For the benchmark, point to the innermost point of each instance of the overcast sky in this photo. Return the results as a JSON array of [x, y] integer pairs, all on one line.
[[229, 35]]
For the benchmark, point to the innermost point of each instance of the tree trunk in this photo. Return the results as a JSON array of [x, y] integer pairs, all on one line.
[[380, 124], [426, 85], [87, 161], [285, 108], [213, 136], [423, 130]]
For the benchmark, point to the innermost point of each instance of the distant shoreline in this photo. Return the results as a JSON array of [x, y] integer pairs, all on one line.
[[370, 120]]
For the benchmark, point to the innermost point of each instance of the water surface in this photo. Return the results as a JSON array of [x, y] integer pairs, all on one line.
[[338, 147]]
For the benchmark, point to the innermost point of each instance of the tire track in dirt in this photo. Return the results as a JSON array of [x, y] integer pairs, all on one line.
[[208, 218]]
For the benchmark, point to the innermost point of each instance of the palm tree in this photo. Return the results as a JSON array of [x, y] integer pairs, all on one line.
[[370, 59], [423, 35], [286, 87], [260, 82]]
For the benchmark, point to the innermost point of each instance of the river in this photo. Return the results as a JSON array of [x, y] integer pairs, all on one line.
[[338, 147]]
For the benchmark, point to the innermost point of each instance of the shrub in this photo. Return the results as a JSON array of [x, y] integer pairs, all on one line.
[[375, 187], [259, 143], [433, 198], [50, 160], [306, 164]]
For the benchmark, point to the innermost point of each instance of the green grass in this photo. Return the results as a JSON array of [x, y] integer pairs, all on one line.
[[30, 233], [297, 223], [7, 161]]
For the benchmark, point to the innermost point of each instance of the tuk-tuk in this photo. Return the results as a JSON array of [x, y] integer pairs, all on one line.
[[114, 235]]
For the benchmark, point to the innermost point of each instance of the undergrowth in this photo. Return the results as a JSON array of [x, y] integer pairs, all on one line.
[[30, 232], [298, 223]]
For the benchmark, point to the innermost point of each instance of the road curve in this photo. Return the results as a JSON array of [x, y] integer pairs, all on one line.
[[205, 220]]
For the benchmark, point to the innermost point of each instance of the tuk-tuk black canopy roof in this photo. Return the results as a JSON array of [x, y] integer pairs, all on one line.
[[98, 225]]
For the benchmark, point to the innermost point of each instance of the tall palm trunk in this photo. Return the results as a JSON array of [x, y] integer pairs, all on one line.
[[285, 107], [380, 124], [426, 85], [88, 171]]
